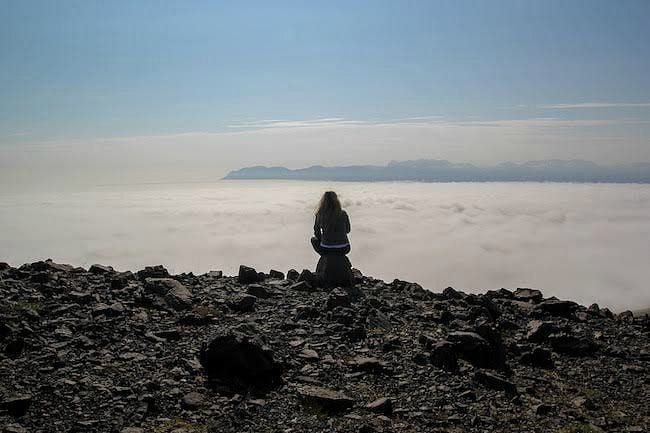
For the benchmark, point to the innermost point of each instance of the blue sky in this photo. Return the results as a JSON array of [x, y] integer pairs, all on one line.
[[82, 70]]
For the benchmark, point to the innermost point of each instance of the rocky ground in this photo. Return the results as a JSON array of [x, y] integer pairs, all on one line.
[[103, 351]]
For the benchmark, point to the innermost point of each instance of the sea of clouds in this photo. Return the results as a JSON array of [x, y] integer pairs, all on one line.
[[586, 242]]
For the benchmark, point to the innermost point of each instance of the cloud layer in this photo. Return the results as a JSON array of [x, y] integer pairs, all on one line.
[[583, 242]]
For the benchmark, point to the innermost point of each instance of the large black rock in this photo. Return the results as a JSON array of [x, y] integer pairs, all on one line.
[[238, 362], [484, 348], [335, 271], [247, 275]]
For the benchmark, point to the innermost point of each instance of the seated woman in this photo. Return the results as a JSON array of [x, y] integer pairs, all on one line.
[[331, 227]]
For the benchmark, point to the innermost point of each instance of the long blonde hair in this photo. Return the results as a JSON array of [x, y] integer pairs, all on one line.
[[328, 208]]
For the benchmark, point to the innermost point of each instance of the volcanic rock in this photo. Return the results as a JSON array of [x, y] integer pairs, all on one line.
[[528, 295], [382, 405], [569, 344], [242, 303], [539, 331], [443, 355], [157, 271], [495, 381], [538, 357], [556, 307], [16, 405], [335, 271], [327, 399], [100, 269], [247, 275], [238, 362], [338, 298]]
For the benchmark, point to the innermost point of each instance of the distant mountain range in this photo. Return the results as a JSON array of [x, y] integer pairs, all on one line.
[[435, 170]]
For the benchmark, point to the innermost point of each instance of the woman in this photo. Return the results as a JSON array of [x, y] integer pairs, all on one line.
[[331, 227]]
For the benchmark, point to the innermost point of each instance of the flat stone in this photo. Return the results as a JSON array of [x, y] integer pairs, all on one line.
[[539, 331], [382, 405], [528, 295], [242, 303], [100, 269], [193, 401], [495, 381], [16, 405], [328, 399]]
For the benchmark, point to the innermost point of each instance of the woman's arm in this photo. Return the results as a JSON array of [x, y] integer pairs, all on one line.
[[317, 231]]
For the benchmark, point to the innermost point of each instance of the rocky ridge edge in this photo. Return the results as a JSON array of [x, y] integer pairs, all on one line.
[[104, 351]]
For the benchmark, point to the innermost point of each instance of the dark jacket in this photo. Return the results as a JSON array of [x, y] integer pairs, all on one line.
[[334, 233]]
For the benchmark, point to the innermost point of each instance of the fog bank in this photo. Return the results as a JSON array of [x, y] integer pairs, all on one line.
[[583, 242]]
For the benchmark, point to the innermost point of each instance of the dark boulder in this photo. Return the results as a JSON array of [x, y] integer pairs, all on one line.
[[175, 294], [293, 275], [308, 277], [497, 356], [121, 280], [470, 346], [259, 291], [499, 294], [528, 295], [247, 275], [556, 307], [539, 331], [301, 286], [494, 381], [538, 357], [327, 399], [100, 269], [443, 355], [572, 345], [277, 275], [237, 362], [338, 298], [451, 293], [483, 349], [58, 267], [157, 271], [16, 405], [335, 271], [242, 303]]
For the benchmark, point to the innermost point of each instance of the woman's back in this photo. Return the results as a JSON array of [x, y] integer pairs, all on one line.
[[333, 231]]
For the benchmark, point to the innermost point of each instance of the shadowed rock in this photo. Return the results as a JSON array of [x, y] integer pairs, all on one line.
[[247, 275], [539, 331], [572, 345], [175, 294], [475, 348], [538, 357], [157, 271], [100, 269], [16, 405], [327, 399], [237, 362], [528, 295], [494, 381], [443, 356]]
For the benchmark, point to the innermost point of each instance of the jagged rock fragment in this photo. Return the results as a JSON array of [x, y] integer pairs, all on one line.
[[327, 399]]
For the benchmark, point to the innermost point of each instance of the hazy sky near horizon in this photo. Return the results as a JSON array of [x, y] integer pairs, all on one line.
[[98, 92]]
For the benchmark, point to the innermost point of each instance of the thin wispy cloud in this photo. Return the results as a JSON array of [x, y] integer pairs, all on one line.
[[580, 105]]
